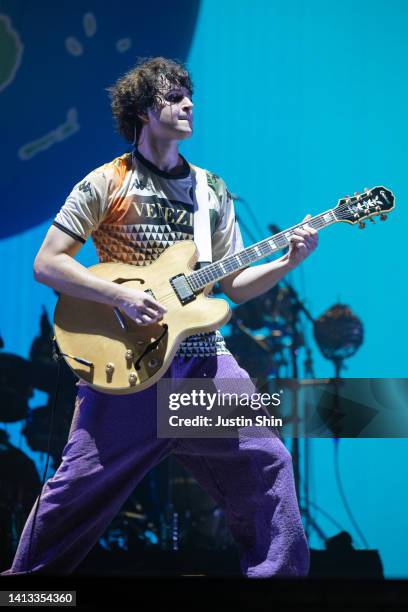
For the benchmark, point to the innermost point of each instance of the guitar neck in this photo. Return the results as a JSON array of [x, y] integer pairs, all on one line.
[[224, 267]]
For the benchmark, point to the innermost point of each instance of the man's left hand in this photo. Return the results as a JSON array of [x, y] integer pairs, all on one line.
[[302, 244]]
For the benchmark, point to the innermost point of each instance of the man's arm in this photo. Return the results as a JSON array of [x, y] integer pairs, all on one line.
[[56, 267], [253, 281]]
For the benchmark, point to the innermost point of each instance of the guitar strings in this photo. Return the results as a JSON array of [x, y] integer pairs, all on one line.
[[171, 297], [338, 210]]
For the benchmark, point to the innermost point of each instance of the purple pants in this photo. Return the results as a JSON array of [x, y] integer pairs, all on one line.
[[113, 443]]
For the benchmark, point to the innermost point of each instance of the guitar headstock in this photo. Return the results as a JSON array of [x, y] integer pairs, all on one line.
[[366, 205]]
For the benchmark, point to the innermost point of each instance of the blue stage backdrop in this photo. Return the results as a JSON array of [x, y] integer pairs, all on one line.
[[298, 103]]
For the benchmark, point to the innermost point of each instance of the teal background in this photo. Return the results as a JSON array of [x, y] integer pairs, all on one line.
[[297, 104]]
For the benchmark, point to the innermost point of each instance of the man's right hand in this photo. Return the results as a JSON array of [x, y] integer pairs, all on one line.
[[140, 307]]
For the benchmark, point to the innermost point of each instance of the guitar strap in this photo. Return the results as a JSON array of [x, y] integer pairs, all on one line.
[[202, 229]]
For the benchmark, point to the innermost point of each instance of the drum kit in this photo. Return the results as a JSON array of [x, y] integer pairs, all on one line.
[[263, 332]]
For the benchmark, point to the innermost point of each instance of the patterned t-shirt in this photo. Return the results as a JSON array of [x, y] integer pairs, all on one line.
[[134, 211]]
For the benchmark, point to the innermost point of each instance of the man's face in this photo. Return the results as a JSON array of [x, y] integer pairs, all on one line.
[[172, 119]]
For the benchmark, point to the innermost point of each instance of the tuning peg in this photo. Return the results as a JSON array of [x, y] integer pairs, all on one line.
[[372, 220], [366, 190], [361, 225], [383, 217]]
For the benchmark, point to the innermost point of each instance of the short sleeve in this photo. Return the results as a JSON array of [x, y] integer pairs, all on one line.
[[227, 238], [85, 207]]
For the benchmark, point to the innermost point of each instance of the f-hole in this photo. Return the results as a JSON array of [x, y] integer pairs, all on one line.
[[120, 281]]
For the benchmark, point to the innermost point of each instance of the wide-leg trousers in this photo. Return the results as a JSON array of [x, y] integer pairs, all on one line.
[[113, 443]]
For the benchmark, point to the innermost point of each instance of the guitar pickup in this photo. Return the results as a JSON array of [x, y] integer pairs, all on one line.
[[182, 289]]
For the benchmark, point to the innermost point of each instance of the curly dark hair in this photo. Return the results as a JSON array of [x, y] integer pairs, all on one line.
[[140, 88]]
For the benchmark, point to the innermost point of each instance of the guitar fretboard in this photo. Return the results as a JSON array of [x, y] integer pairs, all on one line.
[[220, 269]]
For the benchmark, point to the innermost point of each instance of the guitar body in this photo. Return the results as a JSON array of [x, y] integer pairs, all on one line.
[[128, 360]]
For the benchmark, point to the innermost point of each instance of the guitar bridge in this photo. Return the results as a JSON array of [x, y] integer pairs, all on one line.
[[182, 289]]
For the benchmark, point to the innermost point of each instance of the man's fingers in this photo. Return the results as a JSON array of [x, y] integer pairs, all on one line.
[[303, 240], [146, 319], [298, 242], [296, 238], [152, 317], [144, 316], [151, 312], [150, 303], [304, 230], [307, 241]]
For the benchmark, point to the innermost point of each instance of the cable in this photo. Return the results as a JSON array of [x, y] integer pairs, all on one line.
[[342, 495], [57, 358], [326, 514]]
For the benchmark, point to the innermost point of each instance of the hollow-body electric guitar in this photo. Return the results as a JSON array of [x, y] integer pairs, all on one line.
[[113, 354]]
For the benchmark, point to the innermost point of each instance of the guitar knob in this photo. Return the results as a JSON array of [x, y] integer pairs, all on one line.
[[383, 217], [361, 225], [132, 379], [152, 363], [129, 355], [109, 369]]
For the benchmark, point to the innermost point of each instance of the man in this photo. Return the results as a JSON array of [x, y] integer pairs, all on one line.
[[134, 207]]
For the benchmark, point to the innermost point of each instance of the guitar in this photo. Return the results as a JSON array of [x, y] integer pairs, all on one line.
[[113, 354]]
